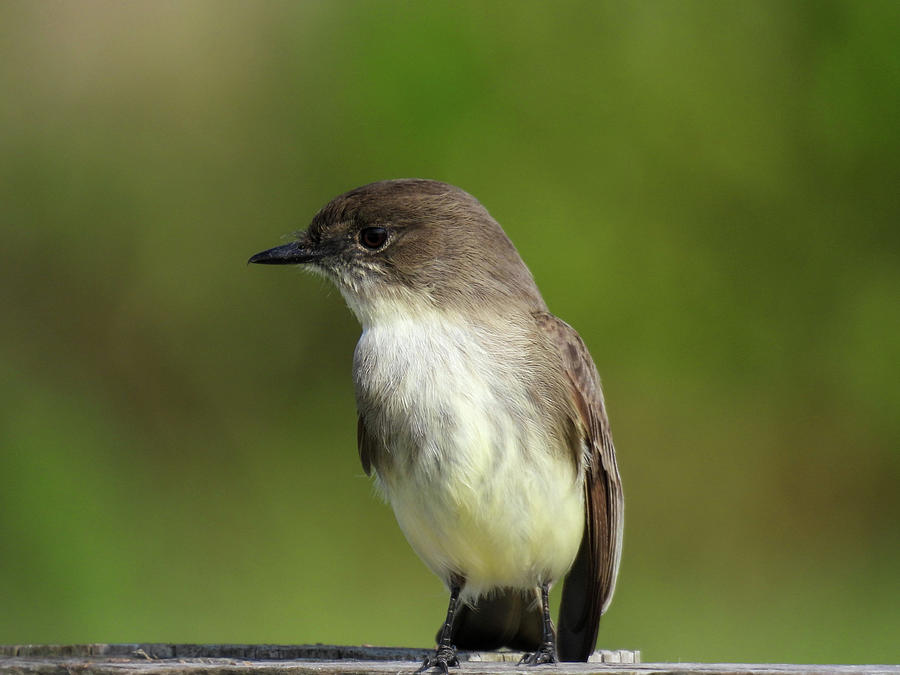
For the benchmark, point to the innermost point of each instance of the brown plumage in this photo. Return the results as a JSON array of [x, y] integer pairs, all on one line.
[[589, 585]]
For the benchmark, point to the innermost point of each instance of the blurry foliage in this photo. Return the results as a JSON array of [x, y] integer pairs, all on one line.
[[707, 191]]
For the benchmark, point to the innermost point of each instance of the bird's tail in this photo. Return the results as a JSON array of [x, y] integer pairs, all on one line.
[[506, 618]]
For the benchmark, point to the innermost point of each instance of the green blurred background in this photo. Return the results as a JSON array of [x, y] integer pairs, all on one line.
[[707, 191]]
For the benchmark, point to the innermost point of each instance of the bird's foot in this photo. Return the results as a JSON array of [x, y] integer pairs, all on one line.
[[546, 654], [443, 658]]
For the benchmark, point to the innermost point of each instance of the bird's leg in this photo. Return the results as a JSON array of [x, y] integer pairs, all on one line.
[[445, 654], [546, 653]]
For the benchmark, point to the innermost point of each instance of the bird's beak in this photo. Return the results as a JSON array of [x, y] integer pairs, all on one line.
[[294, 253]]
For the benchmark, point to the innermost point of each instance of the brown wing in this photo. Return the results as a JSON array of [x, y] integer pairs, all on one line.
[[589, 585]]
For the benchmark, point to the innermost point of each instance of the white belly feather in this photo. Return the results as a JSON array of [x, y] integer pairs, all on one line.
[[473, 480]]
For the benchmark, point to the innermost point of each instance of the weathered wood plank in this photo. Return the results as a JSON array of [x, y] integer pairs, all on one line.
[[176, 659], [152, 651]]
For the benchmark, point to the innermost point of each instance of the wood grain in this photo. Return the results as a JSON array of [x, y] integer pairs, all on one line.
[[237, 659]]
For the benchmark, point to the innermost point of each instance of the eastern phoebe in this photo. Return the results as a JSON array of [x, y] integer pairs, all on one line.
[[480, 415]]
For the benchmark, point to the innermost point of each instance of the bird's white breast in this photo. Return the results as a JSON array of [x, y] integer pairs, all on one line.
[[470, 469]]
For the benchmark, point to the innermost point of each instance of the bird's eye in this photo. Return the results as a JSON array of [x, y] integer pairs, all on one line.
[[373, 237]]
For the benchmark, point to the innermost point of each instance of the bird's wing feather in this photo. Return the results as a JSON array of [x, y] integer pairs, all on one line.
[[589, 585], [366, 446]]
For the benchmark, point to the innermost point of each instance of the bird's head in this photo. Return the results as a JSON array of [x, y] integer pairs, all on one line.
[[411, 245]]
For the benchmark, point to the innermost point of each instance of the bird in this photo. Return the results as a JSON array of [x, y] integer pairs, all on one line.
[[480, 417]]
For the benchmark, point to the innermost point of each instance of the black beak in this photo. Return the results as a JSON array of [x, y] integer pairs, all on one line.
[[289, 254]]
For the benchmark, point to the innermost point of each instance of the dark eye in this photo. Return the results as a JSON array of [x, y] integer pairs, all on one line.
[[373, 237]]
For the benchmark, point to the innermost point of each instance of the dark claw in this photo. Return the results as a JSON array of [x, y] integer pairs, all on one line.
[[444, 658], [546, 654]]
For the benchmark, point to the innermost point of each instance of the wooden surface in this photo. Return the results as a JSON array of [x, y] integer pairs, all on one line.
[[171, 659]]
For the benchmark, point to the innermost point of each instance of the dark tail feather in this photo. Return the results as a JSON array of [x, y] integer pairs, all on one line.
[[508, 618], [580, 609]]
